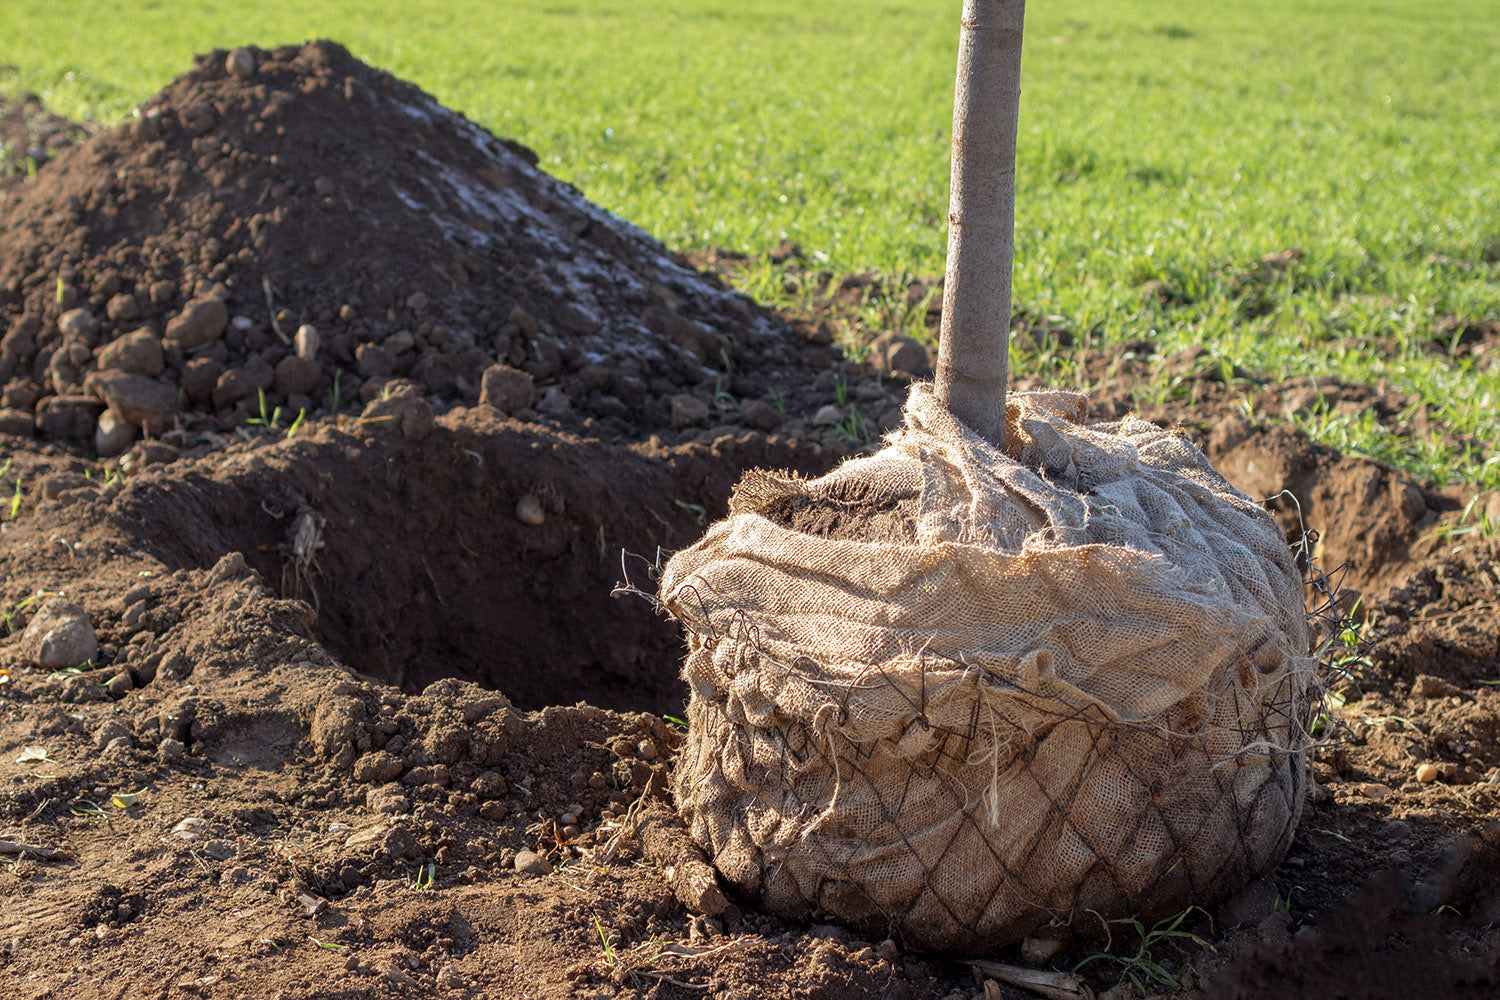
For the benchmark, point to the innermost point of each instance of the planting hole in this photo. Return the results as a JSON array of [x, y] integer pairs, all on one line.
[[488, 557]]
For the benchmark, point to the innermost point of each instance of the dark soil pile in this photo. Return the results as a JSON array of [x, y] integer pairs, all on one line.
[[293, 229]]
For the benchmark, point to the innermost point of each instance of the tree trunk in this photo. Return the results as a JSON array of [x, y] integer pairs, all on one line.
[[973, 351]]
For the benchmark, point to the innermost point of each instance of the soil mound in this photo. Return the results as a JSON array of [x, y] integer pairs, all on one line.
[[295, 223]]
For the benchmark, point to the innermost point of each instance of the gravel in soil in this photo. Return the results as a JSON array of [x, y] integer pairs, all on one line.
[[361, 716]]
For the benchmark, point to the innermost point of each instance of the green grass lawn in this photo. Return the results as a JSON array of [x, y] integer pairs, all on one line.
[[1164, 145]]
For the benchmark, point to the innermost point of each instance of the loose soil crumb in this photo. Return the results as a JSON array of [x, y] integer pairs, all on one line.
[[363, 718]]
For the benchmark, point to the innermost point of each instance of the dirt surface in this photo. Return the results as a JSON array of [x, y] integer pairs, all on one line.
[[352, 711], [30, 136]]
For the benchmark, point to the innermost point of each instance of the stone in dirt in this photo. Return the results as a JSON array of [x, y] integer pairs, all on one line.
[[295, 374], [529, 511], [688, 411], [143, 401], [112, 730], [242, 382], [387, 799], [18, 423], [200, 322], [402, 411], [505, 388], [308, 342], [123, 308], [74, 323], [531, 863], [113, 434], [554, 402], [138, 352], [759, 414], [59, 635], [893, 353]]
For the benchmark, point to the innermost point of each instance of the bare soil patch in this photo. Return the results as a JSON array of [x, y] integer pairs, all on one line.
[[363, 718]]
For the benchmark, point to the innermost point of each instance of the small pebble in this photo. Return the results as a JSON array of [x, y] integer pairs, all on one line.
[[190, 828], [1040, 950], [531, 863], [371, 836], [1427, 772], [311, 905], [688, 411], [240, 63], [74, 322], [529, 510], [554, 402], [1414, 502], [59, 635], [828, 415], [111, 730], [112, 434], [123, 308], [307, 342]]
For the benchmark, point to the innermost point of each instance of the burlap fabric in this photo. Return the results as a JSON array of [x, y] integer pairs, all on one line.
[[1067, 681]]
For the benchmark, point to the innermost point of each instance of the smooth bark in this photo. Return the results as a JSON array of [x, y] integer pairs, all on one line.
[[975, 338]]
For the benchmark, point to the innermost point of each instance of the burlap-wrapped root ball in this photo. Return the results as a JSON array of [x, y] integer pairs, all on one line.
[[954, 694]]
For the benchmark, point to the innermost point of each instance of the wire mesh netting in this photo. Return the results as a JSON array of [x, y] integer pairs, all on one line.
[[954, 693]]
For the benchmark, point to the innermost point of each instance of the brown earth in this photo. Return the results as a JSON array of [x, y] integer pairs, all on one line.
[[30, 135], [345, 676]]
